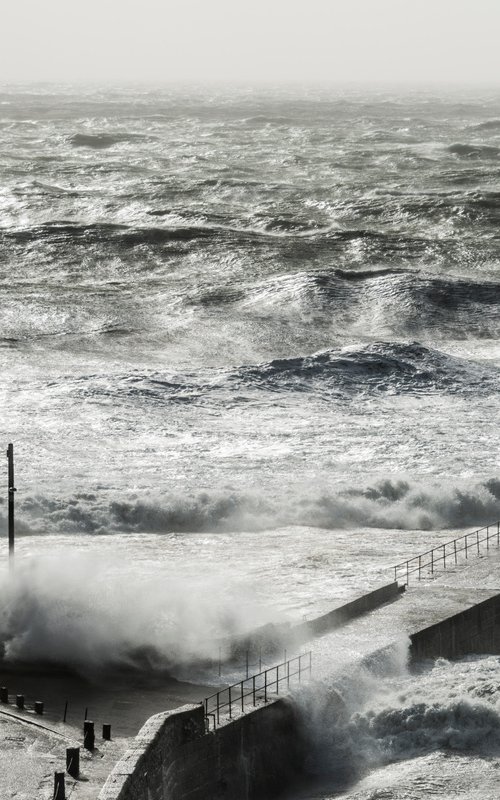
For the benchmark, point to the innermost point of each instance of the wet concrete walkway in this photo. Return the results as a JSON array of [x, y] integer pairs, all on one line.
[[33, 747], [424, 603]]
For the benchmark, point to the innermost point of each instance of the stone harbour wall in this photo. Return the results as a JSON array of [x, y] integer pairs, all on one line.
[[473, 631], [254, 757]]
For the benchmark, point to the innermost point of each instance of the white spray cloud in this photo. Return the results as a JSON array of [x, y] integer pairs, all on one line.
[[85, 613]]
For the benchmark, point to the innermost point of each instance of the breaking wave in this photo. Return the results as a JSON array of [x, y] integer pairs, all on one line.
[[385, 504], [380, 713]]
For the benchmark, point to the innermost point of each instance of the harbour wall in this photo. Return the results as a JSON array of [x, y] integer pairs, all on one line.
[[272, 638], [472, 631], [256, 757], [259, 754]]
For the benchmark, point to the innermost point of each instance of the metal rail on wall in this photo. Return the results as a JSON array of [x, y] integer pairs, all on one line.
[[448, 552], [256, 687]]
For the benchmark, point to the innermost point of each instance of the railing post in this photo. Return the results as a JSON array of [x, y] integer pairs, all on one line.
[[498, 533], [487, 537], [466, 553], [432, 562], [277, 681], [287, 674], [419, 566], [253, 689], [265, 686], [444, 556], [229, 690], [218, 708], [477, 541], [455, 549], [242, 697]]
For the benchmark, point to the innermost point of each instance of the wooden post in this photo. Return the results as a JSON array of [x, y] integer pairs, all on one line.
[[11, 490], [73, 761], [38, 707], [88, 735], [20, 701], [106, 731], [4, 694], [59, 786]]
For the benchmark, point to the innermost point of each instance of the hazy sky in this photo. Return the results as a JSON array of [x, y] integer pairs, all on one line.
[[249, 40]]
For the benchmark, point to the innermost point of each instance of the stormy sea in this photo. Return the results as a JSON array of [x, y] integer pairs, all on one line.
[[250, 360]]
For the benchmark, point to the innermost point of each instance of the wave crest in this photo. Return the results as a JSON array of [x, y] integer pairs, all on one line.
[[390, 503]]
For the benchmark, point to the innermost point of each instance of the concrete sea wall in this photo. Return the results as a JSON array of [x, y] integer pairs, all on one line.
[[256, 757], [272, 638], [340, 616], [260, 754], [473, 631]]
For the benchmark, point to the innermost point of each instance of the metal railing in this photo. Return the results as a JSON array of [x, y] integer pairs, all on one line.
[[448, 552], [256, 687]]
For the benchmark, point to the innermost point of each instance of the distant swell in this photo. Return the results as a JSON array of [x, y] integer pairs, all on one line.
[[474, 150], [101, 141], [380, 366], [489, 125]]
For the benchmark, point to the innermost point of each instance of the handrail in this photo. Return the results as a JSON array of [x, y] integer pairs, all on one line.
[[439, 553], [234, 696]]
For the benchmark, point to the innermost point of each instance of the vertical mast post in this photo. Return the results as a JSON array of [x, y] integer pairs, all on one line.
[[11, 490]]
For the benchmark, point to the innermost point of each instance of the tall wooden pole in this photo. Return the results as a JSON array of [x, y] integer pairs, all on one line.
[[10, 456]]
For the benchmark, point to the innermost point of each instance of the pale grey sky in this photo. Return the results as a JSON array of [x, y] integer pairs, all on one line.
[[278, 40]]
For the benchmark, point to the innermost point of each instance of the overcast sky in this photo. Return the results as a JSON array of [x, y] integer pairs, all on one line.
[[414, 41]]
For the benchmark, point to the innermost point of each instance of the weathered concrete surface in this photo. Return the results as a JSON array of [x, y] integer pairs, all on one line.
[[272, 639], [423, 604], [29, 756], [257, 756], [475, 630], [346, 613], [33, 747]]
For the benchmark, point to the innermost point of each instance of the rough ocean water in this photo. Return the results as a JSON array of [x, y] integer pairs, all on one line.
[[250, 360]]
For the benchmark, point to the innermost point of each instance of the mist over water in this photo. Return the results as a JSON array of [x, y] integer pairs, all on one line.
[[250, 360]]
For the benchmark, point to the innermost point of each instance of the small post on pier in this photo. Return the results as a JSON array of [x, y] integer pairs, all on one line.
[[11, 490]]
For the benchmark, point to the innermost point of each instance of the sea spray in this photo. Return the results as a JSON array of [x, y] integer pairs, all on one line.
[[89, 614], [379, 712]]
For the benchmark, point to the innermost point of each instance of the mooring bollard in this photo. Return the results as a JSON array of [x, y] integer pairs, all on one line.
[[106, 731], [20, 701], [65, 711], [4, 694], [38, 707], [88, 735], [73, 761], [59, 786]]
